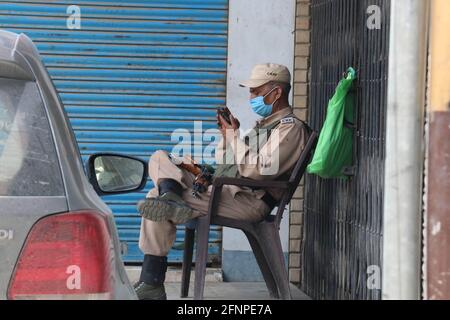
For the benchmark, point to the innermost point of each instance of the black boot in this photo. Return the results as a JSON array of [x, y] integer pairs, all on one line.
[[169, 205], [151, 282]]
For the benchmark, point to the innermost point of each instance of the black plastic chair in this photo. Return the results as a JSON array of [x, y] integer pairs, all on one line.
[[264, 237]]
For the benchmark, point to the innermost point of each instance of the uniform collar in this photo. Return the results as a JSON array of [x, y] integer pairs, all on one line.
[[277, 116]]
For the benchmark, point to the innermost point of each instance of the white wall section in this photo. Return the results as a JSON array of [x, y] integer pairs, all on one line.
[[260, 31]]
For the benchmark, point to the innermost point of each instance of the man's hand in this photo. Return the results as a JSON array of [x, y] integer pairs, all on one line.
[[224, 125]]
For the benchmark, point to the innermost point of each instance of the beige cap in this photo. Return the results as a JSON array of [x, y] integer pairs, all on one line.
[[264, 73]]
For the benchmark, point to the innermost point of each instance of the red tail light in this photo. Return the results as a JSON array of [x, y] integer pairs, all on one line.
[[66, 256]]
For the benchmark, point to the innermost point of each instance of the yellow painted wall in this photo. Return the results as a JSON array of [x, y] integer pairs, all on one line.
[[440, 55]]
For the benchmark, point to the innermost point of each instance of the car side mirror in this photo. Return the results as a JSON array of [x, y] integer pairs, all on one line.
[[116, 174]]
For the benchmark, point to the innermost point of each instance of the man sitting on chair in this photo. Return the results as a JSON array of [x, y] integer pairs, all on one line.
[[280, 138]]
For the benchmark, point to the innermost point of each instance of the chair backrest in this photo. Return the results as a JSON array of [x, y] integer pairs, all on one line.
[[296, 175]]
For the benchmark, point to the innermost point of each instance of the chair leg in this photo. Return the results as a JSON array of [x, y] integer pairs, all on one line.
[[187, 261], [201, 256], [269, 240], [263, 266]]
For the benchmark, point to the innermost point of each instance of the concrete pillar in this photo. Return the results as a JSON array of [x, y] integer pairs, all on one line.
[[404, 150]]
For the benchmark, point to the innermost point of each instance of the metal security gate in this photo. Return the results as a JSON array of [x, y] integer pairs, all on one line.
[[133, 73], [343, 218]]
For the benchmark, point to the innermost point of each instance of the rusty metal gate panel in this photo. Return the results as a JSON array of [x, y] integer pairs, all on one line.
[[344, 218], [133, 73]]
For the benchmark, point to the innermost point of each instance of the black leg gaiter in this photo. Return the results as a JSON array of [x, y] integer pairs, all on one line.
[[153, 270], [169, 185]]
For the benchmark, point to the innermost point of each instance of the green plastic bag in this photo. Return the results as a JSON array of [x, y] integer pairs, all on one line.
[[334, 149]]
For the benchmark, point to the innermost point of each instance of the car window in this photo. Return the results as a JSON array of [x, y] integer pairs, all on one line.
[[28, 161]]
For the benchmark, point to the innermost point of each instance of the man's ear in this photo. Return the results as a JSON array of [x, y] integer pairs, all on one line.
[[279, 91]]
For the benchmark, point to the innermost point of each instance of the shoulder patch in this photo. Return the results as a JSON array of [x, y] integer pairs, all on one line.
[[287, 120]]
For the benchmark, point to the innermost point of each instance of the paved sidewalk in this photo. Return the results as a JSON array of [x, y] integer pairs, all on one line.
[[231, 291], [215, 288]]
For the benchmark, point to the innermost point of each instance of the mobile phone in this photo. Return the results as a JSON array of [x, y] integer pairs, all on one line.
[[225, 113]]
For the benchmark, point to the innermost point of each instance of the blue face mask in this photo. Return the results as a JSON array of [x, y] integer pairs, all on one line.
[[260, 107]]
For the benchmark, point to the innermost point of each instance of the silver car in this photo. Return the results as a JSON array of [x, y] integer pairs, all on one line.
[[58, 239]]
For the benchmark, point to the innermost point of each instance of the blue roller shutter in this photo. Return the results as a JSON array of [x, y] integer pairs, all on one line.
[[133, 73]]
